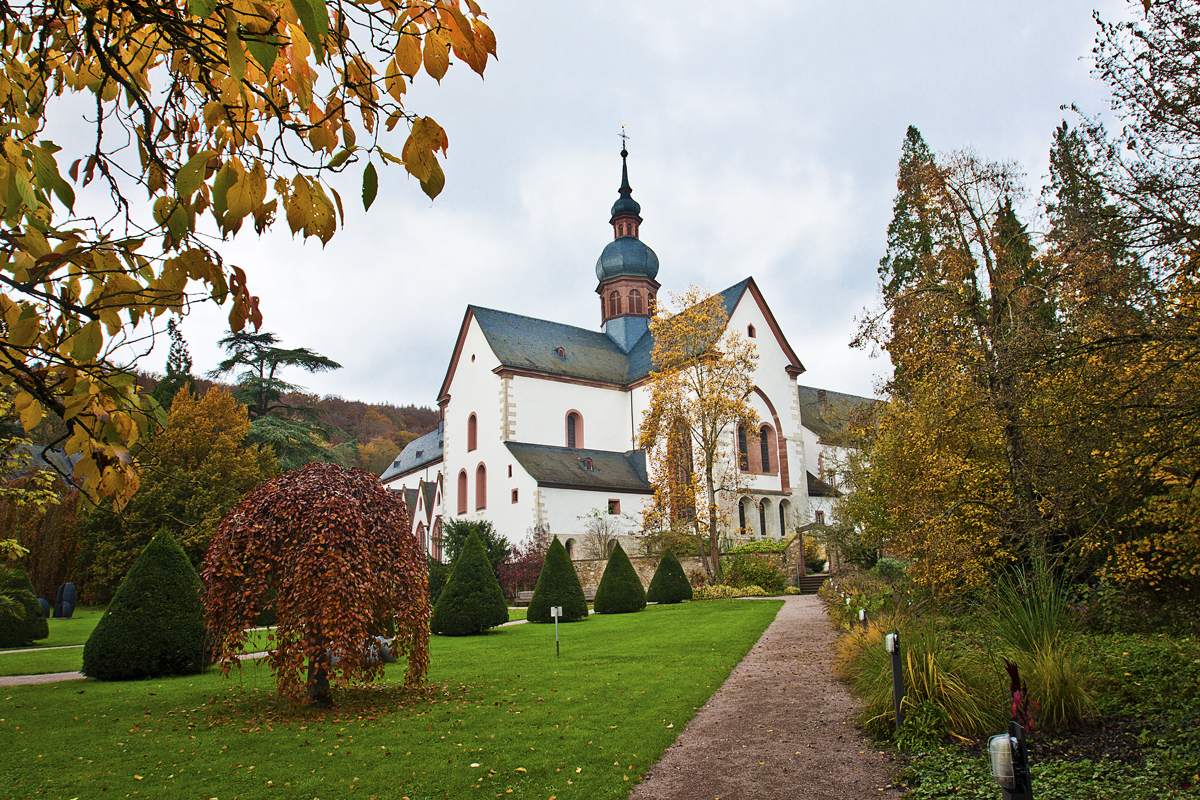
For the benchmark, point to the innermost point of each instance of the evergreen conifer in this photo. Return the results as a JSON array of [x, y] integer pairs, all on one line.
[[620, 590], [155, 623], [472, 601], [669, 584], [28, 623], [558, 585]]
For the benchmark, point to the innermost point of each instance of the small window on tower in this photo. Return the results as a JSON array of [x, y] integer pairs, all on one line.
[[635, 301], [510, 470], [614, 304], [514, 494], [750, 331]]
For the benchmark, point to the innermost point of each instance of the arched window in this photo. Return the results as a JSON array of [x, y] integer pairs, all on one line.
[[750, 331], [783, 509], [570, 545], [614, 304], [480, 487], [742, 518], [743, 450], [766, 443], [462, 491], [762, 519], [574, 429], [635, 301], [608, 548], [437, 539], [421, 537], [472, 433]]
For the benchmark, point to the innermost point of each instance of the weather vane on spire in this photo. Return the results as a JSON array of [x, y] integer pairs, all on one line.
[[624, 138]]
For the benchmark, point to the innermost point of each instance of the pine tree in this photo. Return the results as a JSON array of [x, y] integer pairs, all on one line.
[[291, 430], [558, 585], [155, 624], [472, 601], [620, 590], [909, 234], [669, 584], [179, 369]]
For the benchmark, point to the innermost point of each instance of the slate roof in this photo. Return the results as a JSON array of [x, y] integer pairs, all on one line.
[[410, 500], [41, 458], [429, 488], [839, 410], [819, 488], [528, 343], [564, 467], [420, 452]]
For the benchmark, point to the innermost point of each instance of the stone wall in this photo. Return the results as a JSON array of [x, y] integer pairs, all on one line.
[[590, 570]]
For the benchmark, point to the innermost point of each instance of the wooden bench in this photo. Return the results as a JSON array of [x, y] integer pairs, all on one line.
[[523, 598]]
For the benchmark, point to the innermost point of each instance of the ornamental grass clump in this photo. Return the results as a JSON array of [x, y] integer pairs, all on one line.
[[620, 590], [952, 682], [472, 601], [155, 623], [1032, 619], [669, 584], [558, 585]]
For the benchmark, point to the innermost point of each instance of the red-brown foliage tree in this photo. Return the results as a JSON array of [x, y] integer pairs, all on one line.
[[334, 546]]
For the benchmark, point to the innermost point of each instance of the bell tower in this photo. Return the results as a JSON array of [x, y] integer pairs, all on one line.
[[626, 270]]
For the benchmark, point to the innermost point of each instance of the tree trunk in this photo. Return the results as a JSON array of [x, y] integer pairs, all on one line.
[[714, 543], [319, 694]]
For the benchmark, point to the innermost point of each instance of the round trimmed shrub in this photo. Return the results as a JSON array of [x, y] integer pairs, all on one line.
[[472, 601], [669, 584], [30, 624], [155, 623], [620, 590], [558, 585]]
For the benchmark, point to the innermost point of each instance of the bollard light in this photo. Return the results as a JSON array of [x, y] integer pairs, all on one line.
[[1010, 763]]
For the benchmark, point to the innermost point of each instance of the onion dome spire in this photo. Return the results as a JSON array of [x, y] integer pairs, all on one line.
[[626, 212]]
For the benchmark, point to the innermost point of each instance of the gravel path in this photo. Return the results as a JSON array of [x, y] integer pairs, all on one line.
[[780, 727]]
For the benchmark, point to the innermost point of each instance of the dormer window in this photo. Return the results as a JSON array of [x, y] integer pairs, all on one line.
[[561, 353], [587, 464]]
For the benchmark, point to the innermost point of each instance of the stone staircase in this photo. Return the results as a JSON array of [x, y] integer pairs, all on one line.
[[809, 584]]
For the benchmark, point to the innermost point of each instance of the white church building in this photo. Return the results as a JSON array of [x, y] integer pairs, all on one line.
[[539, 419]]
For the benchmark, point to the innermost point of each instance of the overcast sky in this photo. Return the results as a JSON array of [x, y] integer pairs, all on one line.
[[764, 138]]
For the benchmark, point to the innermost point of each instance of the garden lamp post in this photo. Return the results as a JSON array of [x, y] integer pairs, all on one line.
[[1010, 763]]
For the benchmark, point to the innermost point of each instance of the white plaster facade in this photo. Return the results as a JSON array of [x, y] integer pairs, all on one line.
[[517, 380]]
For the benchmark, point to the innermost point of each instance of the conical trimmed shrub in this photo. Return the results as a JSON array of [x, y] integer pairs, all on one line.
[[558, 585], [155, 623], [472, 601], [670, 583], [620, 590], [30, 624]]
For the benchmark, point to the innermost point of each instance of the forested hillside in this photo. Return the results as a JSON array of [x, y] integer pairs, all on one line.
[[374, 432]]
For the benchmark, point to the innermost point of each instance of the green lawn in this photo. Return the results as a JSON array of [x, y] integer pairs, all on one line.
[[584, 725]]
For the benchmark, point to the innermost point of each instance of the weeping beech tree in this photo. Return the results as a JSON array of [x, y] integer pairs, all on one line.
[[334, 546]]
